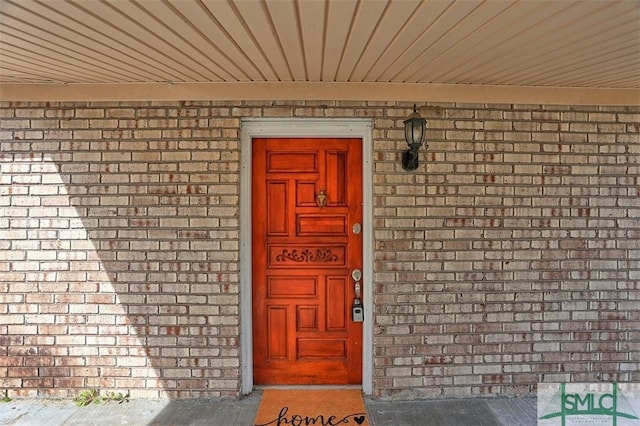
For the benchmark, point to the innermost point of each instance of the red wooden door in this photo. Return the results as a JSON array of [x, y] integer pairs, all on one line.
[[303, 257]]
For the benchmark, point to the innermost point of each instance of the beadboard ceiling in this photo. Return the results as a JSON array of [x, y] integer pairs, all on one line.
[[530, 43]]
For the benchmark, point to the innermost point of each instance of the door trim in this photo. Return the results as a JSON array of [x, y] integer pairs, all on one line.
[[301, 127]]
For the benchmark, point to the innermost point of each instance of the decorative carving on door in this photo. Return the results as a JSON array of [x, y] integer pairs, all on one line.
[[306, 255]]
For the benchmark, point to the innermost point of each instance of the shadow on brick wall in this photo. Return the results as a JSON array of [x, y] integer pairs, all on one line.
[[119, 265]]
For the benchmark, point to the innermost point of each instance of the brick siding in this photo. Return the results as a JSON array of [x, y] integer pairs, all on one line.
[[511, 257]]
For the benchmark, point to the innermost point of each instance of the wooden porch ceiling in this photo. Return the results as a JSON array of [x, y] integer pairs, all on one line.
[[347, 47]]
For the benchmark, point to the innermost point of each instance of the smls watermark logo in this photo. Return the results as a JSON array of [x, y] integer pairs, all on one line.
[[569, 404]]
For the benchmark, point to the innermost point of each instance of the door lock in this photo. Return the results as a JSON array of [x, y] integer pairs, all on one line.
[[357, 309], [358, 313]]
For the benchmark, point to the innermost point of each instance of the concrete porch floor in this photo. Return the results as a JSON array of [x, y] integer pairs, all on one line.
[[454, 412]]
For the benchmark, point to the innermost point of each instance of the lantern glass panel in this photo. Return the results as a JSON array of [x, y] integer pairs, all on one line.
[[414, 130]]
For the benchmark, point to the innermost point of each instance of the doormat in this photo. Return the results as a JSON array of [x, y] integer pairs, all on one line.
[[325, 407]]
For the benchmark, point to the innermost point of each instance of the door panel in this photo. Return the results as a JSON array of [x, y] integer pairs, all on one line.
[[303, 255]]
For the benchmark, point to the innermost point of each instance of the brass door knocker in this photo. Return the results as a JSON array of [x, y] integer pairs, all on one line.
[[321, 198]]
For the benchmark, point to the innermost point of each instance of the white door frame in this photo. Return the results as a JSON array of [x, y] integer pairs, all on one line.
[[302, 127]]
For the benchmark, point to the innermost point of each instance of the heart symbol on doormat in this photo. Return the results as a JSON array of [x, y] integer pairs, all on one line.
[[359, 419]]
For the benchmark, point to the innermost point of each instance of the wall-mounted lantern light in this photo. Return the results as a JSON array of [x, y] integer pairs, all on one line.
[[414, 130]]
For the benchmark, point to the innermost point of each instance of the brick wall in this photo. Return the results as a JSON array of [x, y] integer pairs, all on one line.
[[514, 257], [511, 257]]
